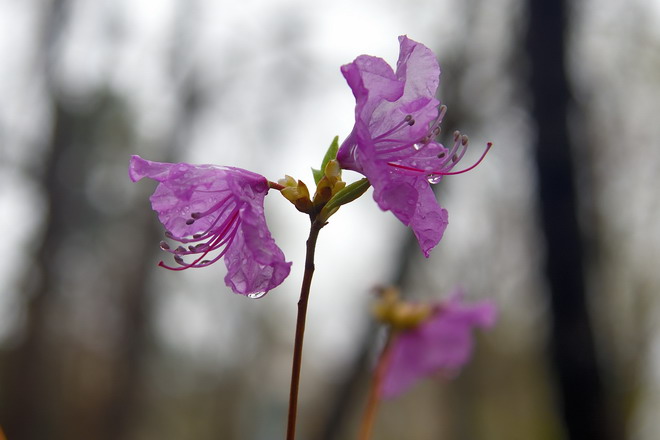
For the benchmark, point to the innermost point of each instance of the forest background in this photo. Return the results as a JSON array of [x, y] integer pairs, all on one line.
[[96, 342]]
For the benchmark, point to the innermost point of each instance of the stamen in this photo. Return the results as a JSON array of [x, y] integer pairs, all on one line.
[[451, 173], [435, 174], [450, 155], [219, 238], [407, 121], [443, 112]]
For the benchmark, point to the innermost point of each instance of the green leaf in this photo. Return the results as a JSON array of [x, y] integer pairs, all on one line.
[[346, 195], [329, 155]]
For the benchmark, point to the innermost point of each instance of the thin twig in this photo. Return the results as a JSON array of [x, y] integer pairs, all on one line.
[[300, 328], [370, 411]]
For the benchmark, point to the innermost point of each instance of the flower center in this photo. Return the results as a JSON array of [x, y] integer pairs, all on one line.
[[399, 150], [387, 143], [209, 245]]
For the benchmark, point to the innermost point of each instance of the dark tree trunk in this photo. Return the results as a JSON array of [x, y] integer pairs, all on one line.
[[572, 348]]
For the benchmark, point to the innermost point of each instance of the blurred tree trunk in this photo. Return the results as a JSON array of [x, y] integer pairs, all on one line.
[[54, 386], [27, 382], [581, 393], [27, 387]]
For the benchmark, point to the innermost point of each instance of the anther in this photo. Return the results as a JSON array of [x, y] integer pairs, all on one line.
[[164, 245], [464, 140], [457, 134], [190, 221], [179, 260], [197, 236], [441, 155], [179, 250], [196, 215]]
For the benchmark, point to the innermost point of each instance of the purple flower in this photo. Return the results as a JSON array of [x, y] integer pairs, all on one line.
[[441, 343], [216, 212], [392, 142]]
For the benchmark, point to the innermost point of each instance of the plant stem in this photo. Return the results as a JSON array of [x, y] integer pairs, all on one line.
[[300, 327], [370, 411]]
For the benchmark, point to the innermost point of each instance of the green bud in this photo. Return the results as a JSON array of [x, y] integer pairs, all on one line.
[[331, 154]]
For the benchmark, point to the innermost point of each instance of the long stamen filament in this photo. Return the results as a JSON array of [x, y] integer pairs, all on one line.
[[452, 173], [445, 173]]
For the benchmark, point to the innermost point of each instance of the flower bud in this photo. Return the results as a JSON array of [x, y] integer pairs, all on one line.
[[297, 193]]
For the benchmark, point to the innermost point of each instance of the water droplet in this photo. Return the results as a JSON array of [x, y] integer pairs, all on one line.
[[434, 178], [256, 295]]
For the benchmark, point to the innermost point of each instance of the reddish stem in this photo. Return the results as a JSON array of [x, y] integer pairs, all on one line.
[[370, 411], [275, 185], [300, 328]]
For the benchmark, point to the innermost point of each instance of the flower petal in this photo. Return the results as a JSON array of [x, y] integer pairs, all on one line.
[[220, 209], [393, 114], [442, 343], [255, 264]]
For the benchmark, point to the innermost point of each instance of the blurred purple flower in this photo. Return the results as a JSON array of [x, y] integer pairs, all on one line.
[[393, 140], [441, 343], [216, 212]]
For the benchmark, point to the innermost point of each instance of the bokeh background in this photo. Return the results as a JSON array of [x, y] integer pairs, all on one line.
[[559, 225]]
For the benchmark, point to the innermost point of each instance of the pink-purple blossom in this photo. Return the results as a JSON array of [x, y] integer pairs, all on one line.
[[216, 212], [397, 120], [442, 343]]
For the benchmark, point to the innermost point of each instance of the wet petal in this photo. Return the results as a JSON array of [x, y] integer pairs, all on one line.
[[216, 212]]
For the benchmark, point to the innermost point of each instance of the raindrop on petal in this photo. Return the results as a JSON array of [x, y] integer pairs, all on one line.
[[434, 178], [256, 295]]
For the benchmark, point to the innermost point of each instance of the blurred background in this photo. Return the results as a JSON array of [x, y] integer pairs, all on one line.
[[558, 225]]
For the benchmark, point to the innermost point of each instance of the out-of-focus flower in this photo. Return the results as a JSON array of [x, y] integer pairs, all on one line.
[[393, 140], [215, 212], [442, 341]]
